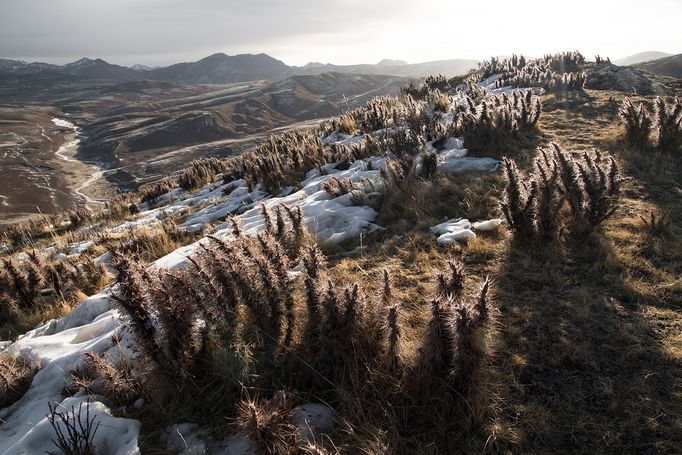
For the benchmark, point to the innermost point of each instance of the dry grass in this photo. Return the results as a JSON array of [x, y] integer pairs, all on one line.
[[585, 354], [418, 204], [442, 104], [348, 125], [27, 320], [15, 379]]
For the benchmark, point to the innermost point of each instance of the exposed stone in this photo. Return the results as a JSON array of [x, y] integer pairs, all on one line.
[[621, 78]]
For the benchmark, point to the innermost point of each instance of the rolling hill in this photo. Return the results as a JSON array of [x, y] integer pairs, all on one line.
[[641, 57], [400, 68], [209, 121], [223, 69], [135, 130], [668, 66]]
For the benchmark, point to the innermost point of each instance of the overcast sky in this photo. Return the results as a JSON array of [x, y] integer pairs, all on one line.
[[159, 32]]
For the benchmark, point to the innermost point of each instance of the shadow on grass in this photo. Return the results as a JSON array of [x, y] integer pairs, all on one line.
[[586, 371], [656, 177]]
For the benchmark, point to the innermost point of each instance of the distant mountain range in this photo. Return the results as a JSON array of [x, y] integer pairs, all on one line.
[[221, 69], [399, 68], [641, 57]]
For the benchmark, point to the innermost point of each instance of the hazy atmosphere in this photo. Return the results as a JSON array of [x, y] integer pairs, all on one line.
[[161, 32]]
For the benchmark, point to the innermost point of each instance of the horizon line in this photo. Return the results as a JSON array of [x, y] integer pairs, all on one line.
[[112, 59]]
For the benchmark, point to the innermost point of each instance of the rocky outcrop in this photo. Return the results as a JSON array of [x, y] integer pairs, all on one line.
[[621, 78]]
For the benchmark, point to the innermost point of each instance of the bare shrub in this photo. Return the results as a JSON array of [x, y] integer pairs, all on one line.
[[74, 432]]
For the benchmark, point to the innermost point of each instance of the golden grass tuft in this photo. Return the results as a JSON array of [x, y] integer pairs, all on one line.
[[15, 379]]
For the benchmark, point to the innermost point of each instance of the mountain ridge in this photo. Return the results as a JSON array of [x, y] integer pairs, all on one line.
[[220, 68], [668, 66], [641, 57]]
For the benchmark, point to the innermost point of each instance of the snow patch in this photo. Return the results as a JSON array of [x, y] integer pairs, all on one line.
[[459, 229]]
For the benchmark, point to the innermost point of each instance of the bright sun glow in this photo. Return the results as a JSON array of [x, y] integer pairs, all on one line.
[[441, 29]]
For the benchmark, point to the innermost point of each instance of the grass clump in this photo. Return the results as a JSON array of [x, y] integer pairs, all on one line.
[[589, 186], [15, 379], [499, 122], [665, 121], [197, 175], [347, 125], [37, 286], [442, 104]]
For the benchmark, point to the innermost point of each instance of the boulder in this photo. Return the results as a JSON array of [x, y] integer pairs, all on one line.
[[621, 78]]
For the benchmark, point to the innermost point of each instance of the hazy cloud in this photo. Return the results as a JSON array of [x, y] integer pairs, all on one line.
[[338, 31], [58, 28]]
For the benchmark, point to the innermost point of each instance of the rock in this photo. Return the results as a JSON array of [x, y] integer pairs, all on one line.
[[621, 78]]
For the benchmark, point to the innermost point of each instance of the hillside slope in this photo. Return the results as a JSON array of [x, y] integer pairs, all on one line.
[[482, 268], [140, 130], [641, 58], [668, 66]]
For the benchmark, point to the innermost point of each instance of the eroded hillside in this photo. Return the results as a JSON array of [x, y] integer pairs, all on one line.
[[134, 132]]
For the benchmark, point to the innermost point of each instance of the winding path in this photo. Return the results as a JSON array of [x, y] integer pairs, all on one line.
[[68, 151]]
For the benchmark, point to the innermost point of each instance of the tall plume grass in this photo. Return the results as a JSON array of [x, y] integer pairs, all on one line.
[[454, 346], [311, 332], [499, 120], [665, 121], [589, 185], [637, 122], [668, 123]]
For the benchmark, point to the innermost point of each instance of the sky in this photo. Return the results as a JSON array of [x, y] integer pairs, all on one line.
[[162, 32]]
